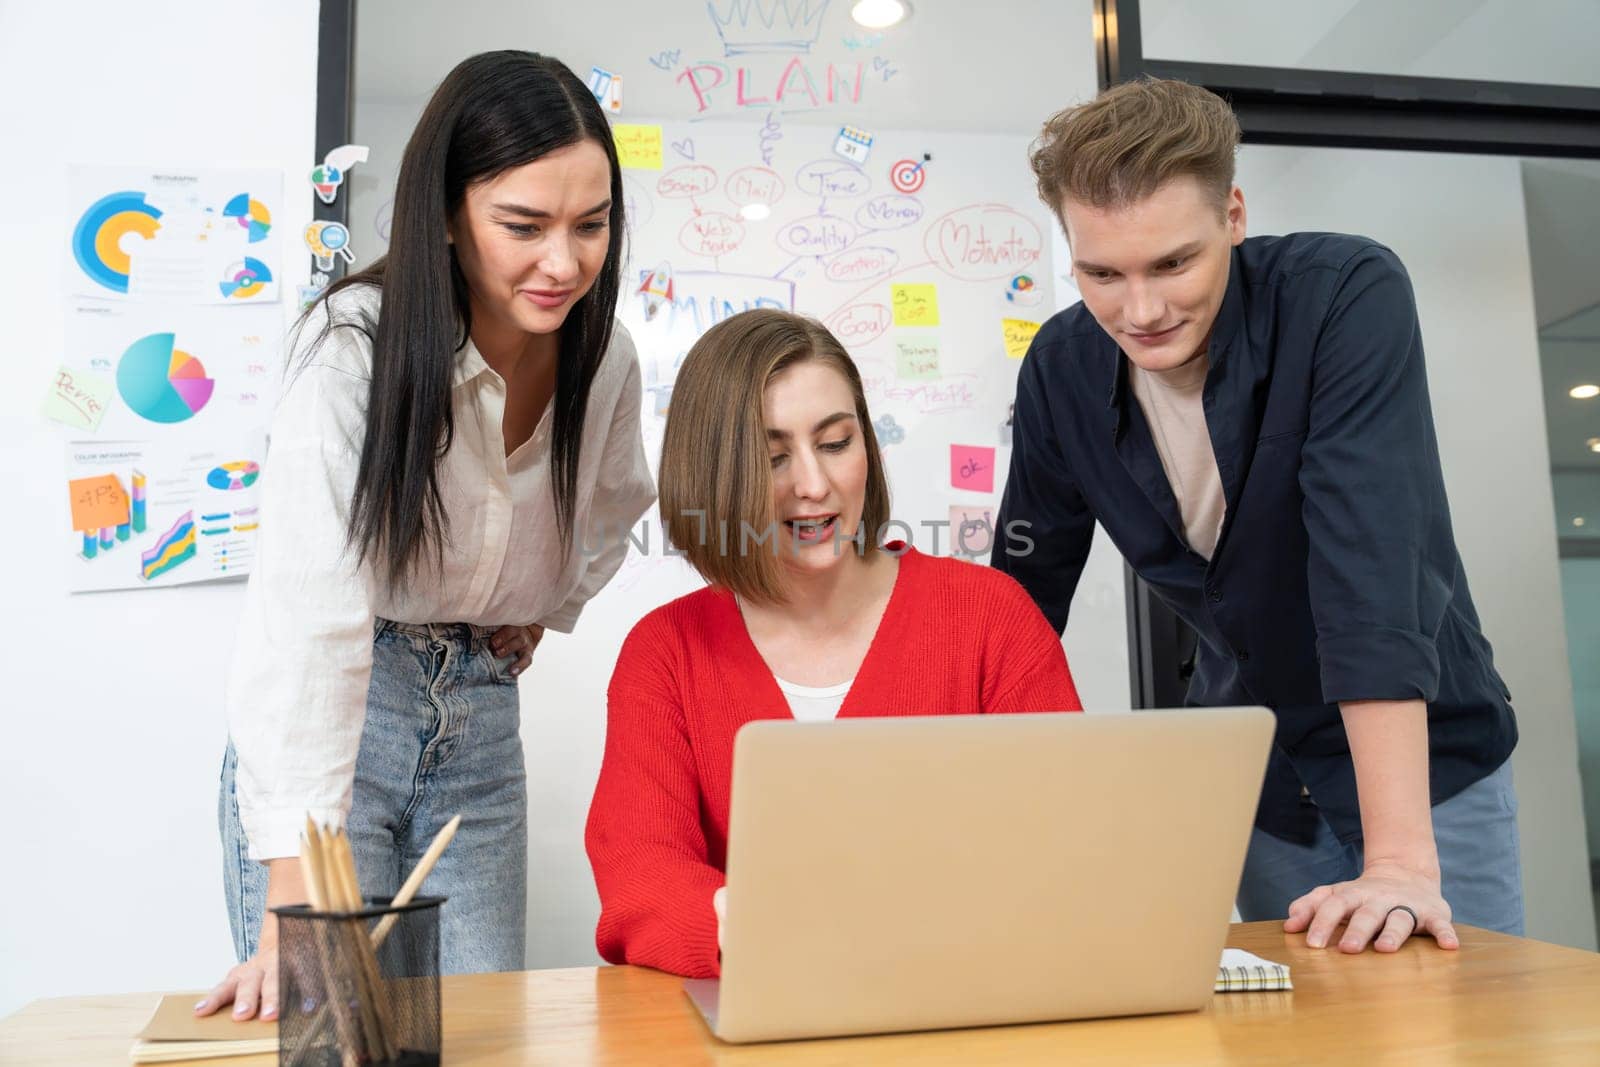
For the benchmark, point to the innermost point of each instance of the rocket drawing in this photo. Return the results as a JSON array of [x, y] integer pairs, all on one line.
[[656, 289]]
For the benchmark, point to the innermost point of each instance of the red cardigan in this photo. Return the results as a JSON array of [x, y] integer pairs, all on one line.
[[956, 638]]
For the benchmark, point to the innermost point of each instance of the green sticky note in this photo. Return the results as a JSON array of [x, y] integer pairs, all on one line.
[[916, 359], [77, 399]]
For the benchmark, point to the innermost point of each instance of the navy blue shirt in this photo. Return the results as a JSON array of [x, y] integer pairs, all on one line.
[[1335, 576]]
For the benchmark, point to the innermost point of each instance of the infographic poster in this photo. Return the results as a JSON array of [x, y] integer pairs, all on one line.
[[165, 384], [152, 513], [188, 237]]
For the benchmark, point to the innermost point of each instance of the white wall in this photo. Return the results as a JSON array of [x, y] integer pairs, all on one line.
[[1458, 224], [113, 727]]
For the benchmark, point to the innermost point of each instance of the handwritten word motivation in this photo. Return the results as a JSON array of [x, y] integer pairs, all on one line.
[[983, 242], [795, 89]]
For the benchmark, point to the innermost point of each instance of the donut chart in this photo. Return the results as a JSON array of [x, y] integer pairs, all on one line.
[[97, 239], [250, 214], [245, 278], [162, 383], [241, 474]]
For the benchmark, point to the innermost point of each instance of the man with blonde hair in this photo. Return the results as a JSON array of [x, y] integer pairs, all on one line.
[[1248, 419]]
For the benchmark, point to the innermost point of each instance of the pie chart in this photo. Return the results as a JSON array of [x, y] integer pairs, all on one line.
[[161, 382]]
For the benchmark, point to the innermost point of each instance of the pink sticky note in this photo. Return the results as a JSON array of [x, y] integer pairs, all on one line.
[[972, 467], [971, 529]]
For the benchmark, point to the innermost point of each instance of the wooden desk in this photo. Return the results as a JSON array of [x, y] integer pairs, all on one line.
[[1498, 999]]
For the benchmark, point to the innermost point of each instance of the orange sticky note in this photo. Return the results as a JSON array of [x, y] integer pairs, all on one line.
[[98, 502]]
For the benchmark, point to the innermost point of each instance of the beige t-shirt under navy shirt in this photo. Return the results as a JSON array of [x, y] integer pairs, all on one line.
[[1171, 400]]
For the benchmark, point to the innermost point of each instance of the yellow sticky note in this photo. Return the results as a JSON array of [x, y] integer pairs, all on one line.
[[98, 503], [915, 305], [1018, 334], [638, 147]]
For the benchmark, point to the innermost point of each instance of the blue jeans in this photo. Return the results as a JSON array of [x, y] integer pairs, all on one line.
[[1479, 859], [440, 738]]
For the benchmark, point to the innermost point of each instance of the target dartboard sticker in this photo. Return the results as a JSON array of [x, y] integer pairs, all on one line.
[[907, 176]]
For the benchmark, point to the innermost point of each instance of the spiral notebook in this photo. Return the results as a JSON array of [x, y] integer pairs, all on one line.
[[1245, 972]]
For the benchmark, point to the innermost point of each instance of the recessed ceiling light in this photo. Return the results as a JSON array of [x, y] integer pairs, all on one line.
[[1594, 444], [1584, 392], [755, 212], [879, 14], [1578, 521]]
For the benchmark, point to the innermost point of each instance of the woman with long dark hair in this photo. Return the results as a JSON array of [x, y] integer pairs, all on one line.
[[454, 419]]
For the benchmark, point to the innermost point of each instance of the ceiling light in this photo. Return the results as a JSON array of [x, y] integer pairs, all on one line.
[[1584, 392], [755, 212], [1594, 444], [879, 14], [1578, 521]]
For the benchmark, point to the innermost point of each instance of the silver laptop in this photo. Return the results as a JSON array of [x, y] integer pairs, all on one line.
[[905, 874]]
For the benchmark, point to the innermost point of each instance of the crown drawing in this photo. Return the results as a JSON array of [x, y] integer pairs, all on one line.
[[747, 26]]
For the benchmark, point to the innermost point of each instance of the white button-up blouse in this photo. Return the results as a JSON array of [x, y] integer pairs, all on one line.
[[297, 690]]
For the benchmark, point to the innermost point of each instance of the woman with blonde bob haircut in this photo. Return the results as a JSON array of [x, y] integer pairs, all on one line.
[[717, 502], [772, 486]]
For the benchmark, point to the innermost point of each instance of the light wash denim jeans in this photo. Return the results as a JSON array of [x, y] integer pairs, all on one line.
[[441, 737], [1479, 858]]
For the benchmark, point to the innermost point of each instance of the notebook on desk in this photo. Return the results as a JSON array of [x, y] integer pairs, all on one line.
[[1245, 972], [174, 1034], [925, 873]]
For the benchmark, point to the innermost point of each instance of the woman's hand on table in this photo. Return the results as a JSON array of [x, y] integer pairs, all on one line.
[[252, 986]]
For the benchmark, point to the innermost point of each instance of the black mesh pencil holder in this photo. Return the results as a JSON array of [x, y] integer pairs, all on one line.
[[359, 989]]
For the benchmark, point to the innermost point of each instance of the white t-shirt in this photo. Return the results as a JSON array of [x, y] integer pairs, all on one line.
[[812, 703]]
